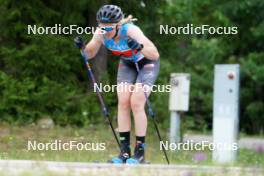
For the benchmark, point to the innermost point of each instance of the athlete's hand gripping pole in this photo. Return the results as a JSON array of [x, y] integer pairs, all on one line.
[[80, 44]]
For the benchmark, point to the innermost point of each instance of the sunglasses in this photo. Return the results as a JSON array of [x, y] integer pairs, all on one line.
[[107, 28]]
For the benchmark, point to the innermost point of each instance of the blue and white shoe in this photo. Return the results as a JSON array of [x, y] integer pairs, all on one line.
[[139, 155], [120, 159], [123, 156]]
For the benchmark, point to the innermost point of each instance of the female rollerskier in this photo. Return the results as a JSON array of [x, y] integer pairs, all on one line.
[[123, 38]]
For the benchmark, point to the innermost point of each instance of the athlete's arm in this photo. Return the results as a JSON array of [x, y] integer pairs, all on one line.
[[94, 44], [149, 49]]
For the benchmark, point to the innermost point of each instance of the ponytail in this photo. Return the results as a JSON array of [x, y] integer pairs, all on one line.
[[128, 19]]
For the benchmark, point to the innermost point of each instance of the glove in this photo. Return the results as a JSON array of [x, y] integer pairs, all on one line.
[[134, 45], [78, 42]]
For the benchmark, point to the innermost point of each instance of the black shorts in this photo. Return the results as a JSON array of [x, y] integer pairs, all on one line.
[[148, 71]]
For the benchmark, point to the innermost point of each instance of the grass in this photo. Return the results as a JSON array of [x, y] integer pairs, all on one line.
[[14, 139]]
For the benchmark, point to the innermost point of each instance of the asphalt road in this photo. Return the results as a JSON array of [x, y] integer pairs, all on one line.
[[26, 167]]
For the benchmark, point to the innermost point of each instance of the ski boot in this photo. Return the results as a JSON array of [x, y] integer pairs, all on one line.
[[139, 155], [123, 156]]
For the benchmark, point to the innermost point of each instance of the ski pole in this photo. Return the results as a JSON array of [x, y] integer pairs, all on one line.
[[150, 110], [100, 97]]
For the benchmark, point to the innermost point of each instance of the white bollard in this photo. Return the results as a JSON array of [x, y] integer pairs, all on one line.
[[226, 112], [178, 101]]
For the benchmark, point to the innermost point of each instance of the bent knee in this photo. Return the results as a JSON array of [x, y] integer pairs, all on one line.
[[123, 102], [137, 102]]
